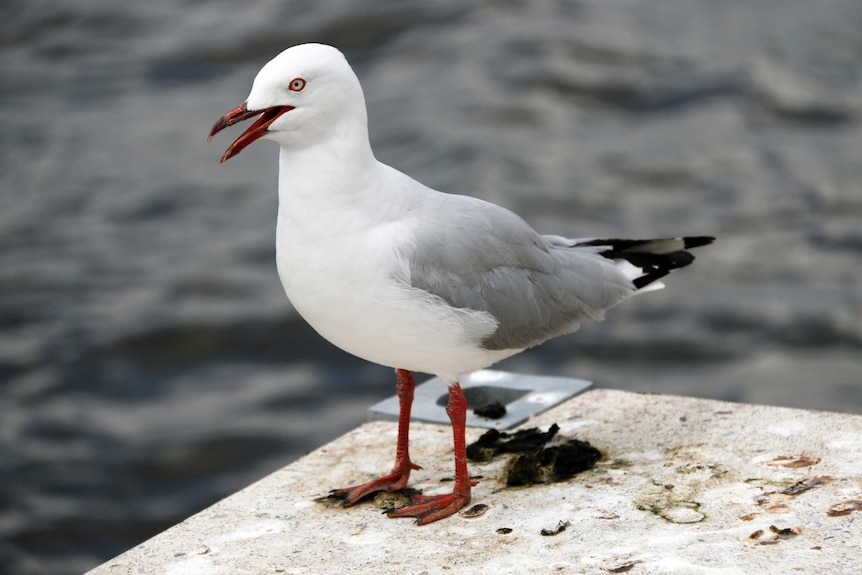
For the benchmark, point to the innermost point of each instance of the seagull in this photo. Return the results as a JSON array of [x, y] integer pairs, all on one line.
[[408, 277]]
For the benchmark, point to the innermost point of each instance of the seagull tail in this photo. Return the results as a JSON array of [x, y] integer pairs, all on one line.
[[647, 261]]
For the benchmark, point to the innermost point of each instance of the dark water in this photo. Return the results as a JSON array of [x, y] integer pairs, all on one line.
[[149, 361]]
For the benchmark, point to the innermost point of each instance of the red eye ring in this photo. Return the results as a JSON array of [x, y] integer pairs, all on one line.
[[296, 85]]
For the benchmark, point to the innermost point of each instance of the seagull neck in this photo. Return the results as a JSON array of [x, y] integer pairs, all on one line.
[[325, 171]]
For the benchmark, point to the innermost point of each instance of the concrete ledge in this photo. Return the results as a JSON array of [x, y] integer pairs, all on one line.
[[685, 486]]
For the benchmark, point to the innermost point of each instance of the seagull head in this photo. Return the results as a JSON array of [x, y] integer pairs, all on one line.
[[301, 97]]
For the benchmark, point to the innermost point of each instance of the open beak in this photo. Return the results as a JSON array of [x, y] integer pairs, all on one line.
[[255, 131]]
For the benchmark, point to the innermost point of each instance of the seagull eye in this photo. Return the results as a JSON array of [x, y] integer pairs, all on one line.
[[296, 85]]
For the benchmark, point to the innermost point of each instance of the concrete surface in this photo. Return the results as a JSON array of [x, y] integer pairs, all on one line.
[[685, 486]]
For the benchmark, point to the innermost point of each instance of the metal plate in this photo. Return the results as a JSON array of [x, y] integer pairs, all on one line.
[[522, 395]]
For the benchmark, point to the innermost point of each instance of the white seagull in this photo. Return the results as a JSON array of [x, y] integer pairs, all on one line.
[[408, 277]]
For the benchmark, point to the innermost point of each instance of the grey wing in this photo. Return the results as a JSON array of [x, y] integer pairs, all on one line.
[[482, 257]]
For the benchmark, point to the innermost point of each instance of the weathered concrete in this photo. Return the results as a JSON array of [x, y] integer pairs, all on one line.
[[685, 486]]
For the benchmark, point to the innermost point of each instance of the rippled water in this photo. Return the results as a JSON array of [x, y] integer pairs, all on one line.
[[149, 361]]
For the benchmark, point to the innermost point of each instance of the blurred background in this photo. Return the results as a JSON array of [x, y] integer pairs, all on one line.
[[149, 361]]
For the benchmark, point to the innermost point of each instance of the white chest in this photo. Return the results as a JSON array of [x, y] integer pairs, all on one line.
[[343, 266], [334, 271]]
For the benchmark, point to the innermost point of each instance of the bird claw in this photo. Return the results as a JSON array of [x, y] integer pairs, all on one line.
[[429, 508], [395, 481]]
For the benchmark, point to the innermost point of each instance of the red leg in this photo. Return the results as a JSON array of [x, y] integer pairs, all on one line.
[[397, 478], [428, 508]]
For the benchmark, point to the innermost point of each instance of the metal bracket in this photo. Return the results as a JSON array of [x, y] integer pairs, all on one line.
[[522, 395]]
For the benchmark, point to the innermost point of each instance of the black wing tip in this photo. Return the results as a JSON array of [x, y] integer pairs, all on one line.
[[650, 277], [654, 264], [697, 241], [620, 244]]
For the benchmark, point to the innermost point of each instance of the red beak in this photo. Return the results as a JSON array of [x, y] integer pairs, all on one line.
[[255, 131]]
